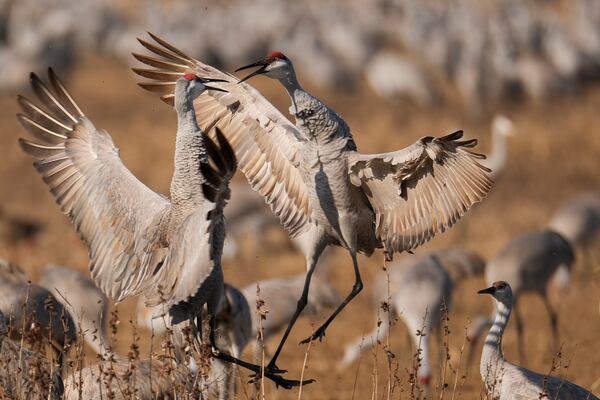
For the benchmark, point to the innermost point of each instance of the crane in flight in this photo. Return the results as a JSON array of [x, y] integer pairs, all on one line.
[[322, 189]]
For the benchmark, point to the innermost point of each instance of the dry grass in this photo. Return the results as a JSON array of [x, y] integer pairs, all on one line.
[[554, 157]]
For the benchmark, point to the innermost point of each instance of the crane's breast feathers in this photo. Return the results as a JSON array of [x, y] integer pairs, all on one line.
[[421, 190]]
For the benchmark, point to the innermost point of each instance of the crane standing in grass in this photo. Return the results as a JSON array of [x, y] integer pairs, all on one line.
[[506, 381], [140, 242], [315, 180]]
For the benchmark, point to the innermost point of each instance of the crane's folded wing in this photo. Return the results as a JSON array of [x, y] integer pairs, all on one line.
[[420, 191], [266, 143], [117, 216]]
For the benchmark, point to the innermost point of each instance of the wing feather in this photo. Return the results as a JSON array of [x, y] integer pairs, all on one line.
[[266, 144], [117, 216], [422, 190]]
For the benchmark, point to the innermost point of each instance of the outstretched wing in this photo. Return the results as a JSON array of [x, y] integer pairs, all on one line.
[[266, 143], [420, 191], [117, 216], [195, 253]]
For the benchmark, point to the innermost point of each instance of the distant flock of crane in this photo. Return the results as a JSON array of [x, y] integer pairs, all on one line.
[[318, 186], [488, 50]]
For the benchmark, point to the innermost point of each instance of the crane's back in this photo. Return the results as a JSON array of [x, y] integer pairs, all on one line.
[[528, 261]]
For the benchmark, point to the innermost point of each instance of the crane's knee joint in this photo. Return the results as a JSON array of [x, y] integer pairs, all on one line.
[[302, 302], [358, 286]]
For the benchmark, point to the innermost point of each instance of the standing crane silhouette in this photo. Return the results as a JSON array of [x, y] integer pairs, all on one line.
[[312, 176], [140, 243]]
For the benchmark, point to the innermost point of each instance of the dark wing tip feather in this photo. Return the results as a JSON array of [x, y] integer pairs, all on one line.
[[170, 47], [453, 136], [211, 176], [467, 143], [226, 150], [61, 91], [214, 153], [209, 193]]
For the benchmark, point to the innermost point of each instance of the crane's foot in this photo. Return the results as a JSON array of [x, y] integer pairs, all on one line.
[[318, 334], [273, 375]]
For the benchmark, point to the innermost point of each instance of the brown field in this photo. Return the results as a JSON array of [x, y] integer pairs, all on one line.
[[554, 157]]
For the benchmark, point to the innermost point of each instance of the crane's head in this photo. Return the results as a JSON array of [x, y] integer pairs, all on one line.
[[275, 65], [503, 126], [194, 85], [500, 290]]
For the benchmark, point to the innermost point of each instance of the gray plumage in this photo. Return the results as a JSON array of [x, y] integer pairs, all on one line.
[[234, 328], [527, 263], [26, 304], [417, 289], [25, 374], [460, 263], [313, 178], [506, 381], [84, 300], [139, 241], [578, 220]]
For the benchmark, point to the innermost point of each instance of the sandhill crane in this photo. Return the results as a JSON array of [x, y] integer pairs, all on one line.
[[506, 381], [527, 262], [84, 300], [313, 178], [139, 241], [417, 290], [578, 220], [25, 374], [28, 305], [280, 295], [502, 129]]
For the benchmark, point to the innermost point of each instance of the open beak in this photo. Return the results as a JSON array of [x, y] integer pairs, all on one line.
[[207, 80], [489, 290], [262, 64]]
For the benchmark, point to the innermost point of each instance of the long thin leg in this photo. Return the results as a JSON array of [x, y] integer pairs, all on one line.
[[257, 369], [553, 320], [302, 302], [519, 325], [356, 288]]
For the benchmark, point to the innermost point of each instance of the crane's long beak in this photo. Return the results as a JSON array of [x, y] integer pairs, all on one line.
[[489, 290], [262, 64], [206, 80]]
